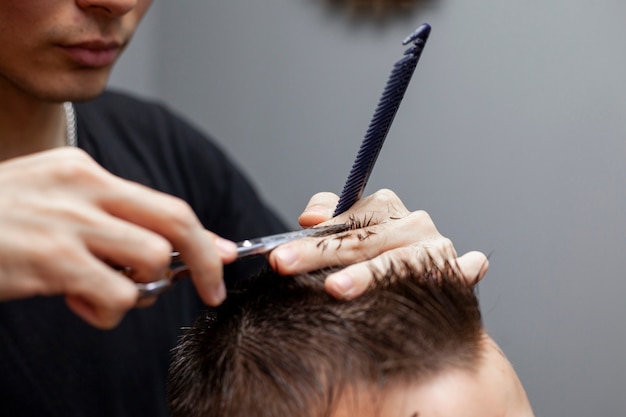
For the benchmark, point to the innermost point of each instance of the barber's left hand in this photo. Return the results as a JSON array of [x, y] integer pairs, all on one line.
[[388, 234]]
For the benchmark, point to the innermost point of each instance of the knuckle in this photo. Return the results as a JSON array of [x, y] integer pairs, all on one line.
[[77, 166], [386, 200], [156, 252], [118, 302], [79, 154], [149, 260], [442, 243], [180, 216], [420, 220], [415, 258], [421, 217], [385, 195], [49, 252], [122, 295], [405, 255], [124, 301]]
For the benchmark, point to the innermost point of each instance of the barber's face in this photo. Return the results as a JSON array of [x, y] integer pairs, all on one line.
[[63, 49], [492, 391]]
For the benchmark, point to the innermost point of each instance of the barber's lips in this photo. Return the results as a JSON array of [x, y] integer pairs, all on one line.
[[93, 55]]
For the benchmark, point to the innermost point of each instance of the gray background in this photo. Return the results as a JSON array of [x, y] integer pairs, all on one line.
[[512, 135]]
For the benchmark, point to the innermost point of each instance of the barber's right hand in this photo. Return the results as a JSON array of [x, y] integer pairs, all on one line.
[[65, 221]]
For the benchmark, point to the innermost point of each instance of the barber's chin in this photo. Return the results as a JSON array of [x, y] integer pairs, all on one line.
[[83, 87]]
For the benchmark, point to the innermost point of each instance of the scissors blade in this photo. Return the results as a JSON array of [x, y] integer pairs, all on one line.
[[265, 244]]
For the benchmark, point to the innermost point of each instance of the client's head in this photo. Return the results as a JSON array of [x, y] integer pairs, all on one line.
[[412, 345]]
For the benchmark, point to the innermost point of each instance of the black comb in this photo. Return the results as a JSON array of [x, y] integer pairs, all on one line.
[[381, 121]]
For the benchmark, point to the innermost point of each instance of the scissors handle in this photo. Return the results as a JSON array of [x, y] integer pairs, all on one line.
[[176, 270]]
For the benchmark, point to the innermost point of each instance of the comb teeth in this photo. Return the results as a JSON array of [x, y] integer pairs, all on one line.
[[381, 120]]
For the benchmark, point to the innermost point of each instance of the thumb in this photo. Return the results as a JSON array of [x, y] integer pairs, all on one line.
[[319, 209]]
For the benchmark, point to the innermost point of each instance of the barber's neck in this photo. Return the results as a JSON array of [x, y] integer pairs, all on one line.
[[29, 125]]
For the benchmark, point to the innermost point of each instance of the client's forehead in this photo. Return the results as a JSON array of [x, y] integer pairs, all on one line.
[[493, 390]]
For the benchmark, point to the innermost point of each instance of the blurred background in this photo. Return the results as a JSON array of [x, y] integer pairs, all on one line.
[[512, 135]]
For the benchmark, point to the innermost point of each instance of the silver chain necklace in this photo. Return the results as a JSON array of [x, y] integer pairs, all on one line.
[[71, 134]]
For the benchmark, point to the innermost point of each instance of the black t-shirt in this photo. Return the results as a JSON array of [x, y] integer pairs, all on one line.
[[54, 364]]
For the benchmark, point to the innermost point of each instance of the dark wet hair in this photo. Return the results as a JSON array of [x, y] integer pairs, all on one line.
[[282, 347]]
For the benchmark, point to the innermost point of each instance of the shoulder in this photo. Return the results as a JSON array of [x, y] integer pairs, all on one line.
[[144, 141], [131, 123], [114, 101]]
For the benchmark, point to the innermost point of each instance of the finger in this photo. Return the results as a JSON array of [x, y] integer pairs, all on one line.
[[381, 205], [93, 315], [227, 249], [375, 208], [308, 254], [206, 267], [473, 266], [121, 244], [98, 294], [209, 281], [146, 302], [175, 220], [319, 209], [440, 251], [349, 282], [160, 213], [353, 280]]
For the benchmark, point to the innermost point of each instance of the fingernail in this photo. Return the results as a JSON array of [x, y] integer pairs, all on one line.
[[342, 283], [219, 294], [225, 247], [285, 257]]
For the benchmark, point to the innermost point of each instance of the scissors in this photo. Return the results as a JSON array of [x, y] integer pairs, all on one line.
[[249, 247]]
